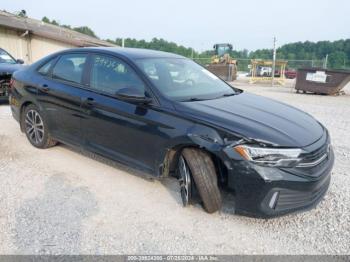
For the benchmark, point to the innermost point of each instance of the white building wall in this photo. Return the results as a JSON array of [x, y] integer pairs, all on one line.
[[29, 48], [42, 47], [11, 41]]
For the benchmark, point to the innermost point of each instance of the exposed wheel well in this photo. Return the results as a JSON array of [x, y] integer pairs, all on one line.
[[172, 158]]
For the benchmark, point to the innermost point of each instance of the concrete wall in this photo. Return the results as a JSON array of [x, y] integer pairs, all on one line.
[[29, 48], [11, 41], [41, 47]]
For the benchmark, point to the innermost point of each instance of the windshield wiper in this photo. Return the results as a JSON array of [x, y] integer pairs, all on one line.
[[193, 99], [229, 94], [225, 95]]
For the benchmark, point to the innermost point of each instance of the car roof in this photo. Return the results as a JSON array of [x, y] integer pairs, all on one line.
[[131, 53]]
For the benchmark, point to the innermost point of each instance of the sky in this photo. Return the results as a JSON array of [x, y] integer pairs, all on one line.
[[246, 24]]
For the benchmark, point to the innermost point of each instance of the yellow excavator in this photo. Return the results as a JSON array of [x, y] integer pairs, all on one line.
[[222, 64]]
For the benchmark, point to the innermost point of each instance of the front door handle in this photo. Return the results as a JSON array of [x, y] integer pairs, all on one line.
[[89, 102], [44, 88]]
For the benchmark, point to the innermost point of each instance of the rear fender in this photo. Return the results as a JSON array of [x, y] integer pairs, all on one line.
[[23, 105]]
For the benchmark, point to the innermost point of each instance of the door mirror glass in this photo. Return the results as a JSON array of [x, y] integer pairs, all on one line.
[[134, 95]]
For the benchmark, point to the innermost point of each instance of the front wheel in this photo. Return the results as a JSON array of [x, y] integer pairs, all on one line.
[[36, 128], [196, 168]]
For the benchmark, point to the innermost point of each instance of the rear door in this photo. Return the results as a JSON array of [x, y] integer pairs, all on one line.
[[118, 129], [60, 94]]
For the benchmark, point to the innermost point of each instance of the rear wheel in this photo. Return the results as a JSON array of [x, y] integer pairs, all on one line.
[[35, 128], [196, 168]]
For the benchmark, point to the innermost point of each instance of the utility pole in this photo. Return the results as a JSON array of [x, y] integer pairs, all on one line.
[[123, 42], [273, 61], [325, 62]]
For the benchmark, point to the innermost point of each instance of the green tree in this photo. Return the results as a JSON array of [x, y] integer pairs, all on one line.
[[337, 60], [54, 22], [46, 20], [22, 13], [81, 29], [85, 30], [156, 44]]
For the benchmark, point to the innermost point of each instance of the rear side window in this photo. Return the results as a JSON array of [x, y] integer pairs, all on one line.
[[44, 69], [109, 74], [70, 68]]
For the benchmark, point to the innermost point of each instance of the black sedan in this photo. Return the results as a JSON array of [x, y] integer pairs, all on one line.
[[169, 116], [8, 65]]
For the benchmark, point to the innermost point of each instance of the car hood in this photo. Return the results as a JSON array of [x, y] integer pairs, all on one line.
[[257, 117], [9, 68]]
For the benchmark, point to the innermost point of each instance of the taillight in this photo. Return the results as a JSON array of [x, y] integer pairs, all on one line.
[[12, 83]]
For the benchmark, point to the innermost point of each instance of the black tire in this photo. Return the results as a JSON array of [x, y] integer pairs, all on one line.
[[205, 178], [44, 140]]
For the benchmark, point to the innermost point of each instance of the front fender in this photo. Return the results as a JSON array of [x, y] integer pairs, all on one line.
[[200, 136]]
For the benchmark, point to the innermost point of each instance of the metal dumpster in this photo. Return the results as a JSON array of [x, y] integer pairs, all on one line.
[[321, 81]]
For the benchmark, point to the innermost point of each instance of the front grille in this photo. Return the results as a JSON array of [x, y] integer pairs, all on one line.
[[315, 163], [317, 154], [290, 199]]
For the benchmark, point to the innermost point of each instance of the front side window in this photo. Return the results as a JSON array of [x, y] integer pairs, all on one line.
[[6, 58], [70, 68], [182, 79], [109, 74]]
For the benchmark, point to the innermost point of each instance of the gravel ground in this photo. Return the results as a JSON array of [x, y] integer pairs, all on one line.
[[63, 201]]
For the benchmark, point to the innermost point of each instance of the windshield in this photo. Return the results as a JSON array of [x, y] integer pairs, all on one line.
[[223, 49], [183, 80], [6, 58]]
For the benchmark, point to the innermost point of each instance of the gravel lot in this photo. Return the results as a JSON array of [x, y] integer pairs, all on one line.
[[62, 201]]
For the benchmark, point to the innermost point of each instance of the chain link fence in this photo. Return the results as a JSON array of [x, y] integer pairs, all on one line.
[[243, 63]]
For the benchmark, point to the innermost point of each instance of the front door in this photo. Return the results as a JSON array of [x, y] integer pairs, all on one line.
[[125, 131]]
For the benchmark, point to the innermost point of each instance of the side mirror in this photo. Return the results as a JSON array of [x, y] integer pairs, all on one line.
[[133, 95], [20, 61]]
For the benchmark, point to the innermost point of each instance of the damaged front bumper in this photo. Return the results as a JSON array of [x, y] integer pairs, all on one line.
[[262, 191]]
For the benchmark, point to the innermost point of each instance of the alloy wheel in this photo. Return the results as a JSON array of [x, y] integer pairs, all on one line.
[[185, 181], [34, 126]]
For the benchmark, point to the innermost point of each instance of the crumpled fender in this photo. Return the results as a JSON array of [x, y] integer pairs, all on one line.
[[200, 136]]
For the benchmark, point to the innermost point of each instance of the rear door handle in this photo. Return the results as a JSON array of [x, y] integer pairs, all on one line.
[[44, 88], [89, 101]]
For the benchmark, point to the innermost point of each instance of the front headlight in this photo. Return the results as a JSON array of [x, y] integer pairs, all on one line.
[[282, 157]]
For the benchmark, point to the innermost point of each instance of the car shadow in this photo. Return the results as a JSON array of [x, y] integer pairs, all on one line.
[[110, 162], [46, 223], [228, 203], [170, 183], [172, 186]]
